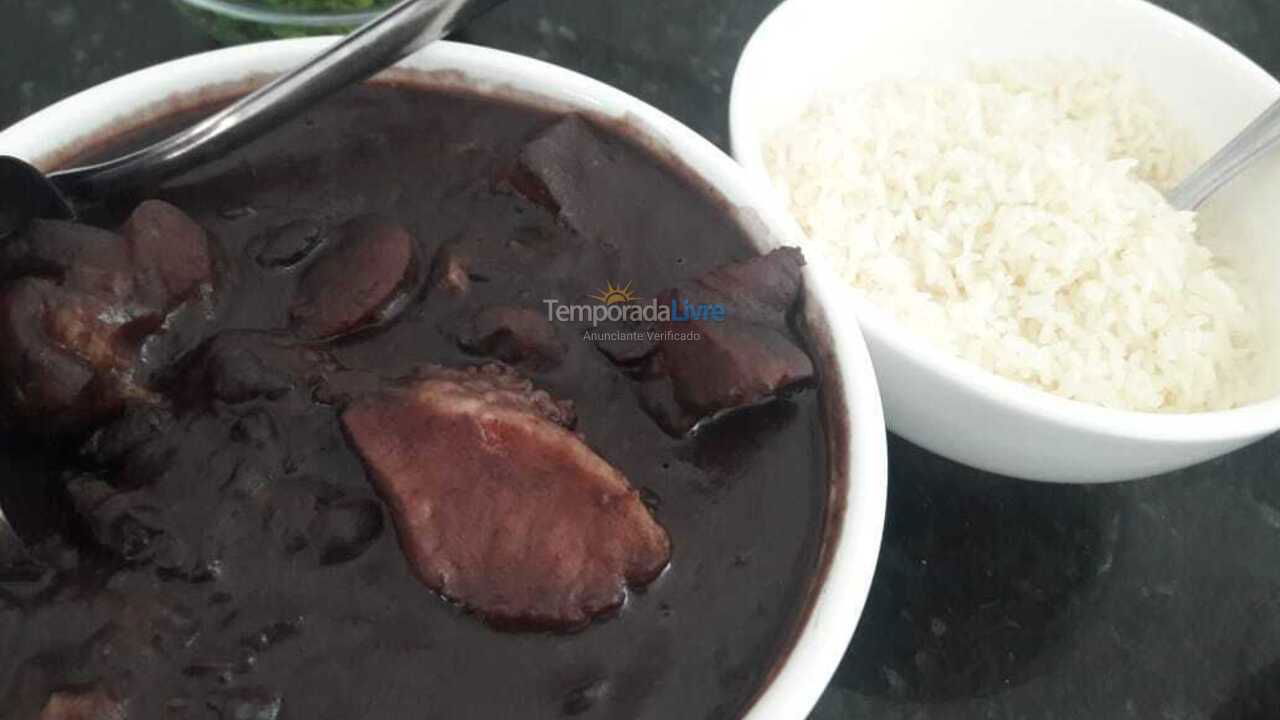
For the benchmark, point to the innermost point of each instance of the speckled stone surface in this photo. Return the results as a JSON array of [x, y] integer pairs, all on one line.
[[994, 599]]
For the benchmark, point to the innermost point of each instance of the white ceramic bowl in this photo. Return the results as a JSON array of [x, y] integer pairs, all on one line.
[[950, 406], [851, 399]]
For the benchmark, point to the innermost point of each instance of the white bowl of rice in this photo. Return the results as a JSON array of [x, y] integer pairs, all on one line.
[[987, 178]]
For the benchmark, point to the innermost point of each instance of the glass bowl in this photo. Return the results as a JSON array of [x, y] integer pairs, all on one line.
[[241, 21]]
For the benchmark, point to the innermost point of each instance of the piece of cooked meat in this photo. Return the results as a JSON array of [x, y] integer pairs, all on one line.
[[117, 521], [514, 335], [69, 355], [82, 705], [357, 283], [78, 304], [499, 506], [744, 359], [69, 253], [132, 447], [733, 365], [449, 272], [761, 290], [159, 258], [39, 376], [563, 170], [237, 367], [169, 253]]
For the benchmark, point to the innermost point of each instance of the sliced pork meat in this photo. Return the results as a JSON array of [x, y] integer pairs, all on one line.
[[358, 282], [499, 506], [514, 335], [743, 358]]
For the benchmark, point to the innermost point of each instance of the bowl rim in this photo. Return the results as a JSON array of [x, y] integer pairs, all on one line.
[[803, 669], [246, 11], [878, 324]]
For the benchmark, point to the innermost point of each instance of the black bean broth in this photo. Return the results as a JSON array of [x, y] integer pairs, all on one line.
[[230, 603]]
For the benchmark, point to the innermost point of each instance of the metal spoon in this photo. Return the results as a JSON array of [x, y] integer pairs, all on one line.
[[1252, 143], [12, 551], [27, 193]]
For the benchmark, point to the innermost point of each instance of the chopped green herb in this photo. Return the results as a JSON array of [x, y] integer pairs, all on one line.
[[235, 30], [321, 5]]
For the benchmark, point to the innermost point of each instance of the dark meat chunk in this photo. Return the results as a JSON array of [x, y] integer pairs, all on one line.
[[450, 272], [79, 256], [761, 290], [112, 445], [160, 258], [236, 367], [68, 356], [742, 359], [83, 705], [80, 302], [132, 447], [40, 378], [103, 334], [562, 170], [733, 366], [518, 336], [499, 506], [170, 253], [241, 367], [358, 282], [119, 522]]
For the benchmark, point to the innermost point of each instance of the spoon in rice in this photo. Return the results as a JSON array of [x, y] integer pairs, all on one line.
[[27, 193], [1251, 144]]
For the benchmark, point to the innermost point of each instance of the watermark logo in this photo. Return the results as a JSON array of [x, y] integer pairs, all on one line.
[[617, 303], [614, 295]]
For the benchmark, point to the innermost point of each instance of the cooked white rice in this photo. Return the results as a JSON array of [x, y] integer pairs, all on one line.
[[1011, 214]]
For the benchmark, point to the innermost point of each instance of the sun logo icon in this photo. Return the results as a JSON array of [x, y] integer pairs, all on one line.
[[614, 295]]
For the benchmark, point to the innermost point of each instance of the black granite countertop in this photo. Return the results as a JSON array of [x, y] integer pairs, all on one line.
[[994, 598]]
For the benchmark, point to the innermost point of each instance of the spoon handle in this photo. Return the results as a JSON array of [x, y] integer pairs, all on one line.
[[1255, 140], [399, 31]]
